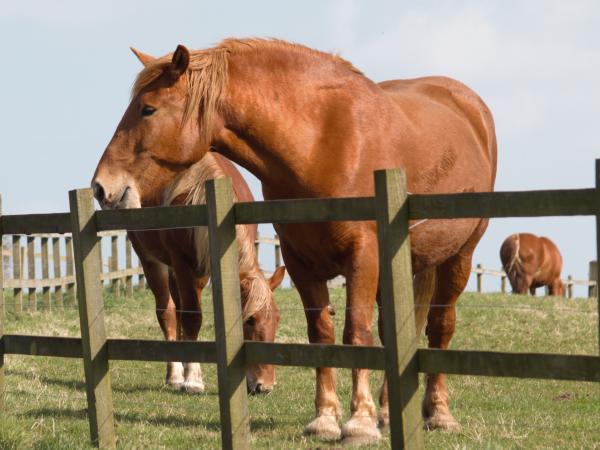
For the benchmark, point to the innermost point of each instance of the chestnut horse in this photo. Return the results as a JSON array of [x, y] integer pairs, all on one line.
[[309, 124], [176, 265], [531, 262]]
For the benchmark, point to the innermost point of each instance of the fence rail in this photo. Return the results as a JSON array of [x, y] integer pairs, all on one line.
[[391, 208]]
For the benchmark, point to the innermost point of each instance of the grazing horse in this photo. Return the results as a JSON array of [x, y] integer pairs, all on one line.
[[530, 262], [176, 265], [309, 124]]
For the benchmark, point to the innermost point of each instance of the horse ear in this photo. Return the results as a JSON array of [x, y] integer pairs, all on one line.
[[180, 61], [277, 277], [143, 57]]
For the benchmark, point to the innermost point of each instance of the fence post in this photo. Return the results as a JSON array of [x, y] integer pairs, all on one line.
[[91, 317], [56, 273], [114, 264], [45, 272], [70, 286], [396, 288], [229, 336], [31, 272], [2, 408], [593, 276], [277, 252], [141, 281], [503, 283], [479, 278], [16, 269], [569, 286], [596, 277], [128, 266]]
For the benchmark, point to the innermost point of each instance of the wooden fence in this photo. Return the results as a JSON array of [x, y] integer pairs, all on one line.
[[569, 282], [49, 262], [391, 208]]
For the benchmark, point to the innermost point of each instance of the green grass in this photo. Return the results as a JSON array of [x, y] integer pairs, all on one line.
[[45, 397]]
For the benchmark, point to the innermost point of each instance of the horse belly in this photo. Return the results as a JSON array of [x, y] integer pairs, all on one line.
[[322, 249], [434, 241]]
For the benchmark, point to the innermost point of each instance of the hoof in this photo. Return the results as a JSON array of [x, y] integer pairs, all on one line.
[[260, 389], [174, 385], [360, 430], [193, 387], [324, 427], [383, 422], [440, 421]]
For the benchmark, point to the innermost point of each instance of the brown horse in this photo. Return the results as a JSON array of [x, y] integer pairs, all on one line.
[[531, 262], [177, 268], [309, 124]]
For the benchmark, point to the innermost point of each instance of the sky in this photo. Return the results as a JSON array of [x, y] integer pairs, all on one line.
[[67, 73]]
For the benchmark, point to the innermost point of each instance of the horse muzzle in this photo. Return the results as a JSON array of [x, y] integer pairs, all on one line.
[[121, 197]]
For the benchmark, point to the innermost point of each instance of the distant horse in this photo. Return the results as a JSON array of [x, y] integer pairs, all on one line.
[[309, 124], [176, 265], [531, 262]]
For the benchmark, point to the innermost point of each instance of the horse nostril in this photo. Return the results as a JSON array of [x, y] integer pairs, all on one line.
[[98, 192]]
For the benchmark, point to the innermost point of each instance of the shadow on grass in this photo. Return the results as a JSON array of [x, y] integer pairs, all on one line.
[[116, 386], [68, 413], [262, 424], [71, 384]]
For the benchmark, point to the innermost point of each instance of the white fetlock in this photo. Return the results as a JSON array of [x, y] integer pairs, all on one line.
[[324, 427], [359, 430], [193, 383], [175, 378]]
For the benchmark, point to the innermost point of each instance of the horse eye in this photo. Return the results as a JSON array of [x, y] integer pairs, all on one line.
[[250, 321], [148, 111]]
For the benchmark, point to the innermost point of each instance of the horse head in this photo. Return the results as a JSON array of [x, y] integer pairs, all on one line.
[[154, 140], [261, 318]]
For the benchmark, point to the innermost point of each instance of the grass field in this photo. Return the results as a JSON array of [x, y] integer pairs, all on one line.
[[45, 397]]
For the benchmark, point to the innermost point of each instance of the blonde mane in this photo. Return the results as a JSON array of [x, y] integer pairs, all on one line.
[[191, 184], [207, 74]]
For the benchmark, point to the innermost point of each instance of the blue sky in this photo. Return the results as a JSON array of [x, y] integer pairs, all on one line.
[[67, 72]]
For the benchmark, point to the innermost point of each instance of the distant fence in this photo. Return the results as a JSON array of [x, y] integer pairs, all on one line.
[[569, 282], [48, 259], [391, 207], [45, 254]]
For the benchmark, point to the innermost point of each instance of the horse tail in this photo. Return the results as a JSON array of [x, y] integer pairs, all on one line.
[[423, 288], [515, 262]]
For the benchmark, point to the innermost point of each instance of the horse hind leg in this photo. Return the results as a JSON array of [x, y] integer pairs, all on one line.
[[423, 288]]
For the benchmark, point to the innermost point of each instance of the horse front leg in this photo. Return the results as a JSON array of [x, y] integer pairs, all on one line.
[[315, 298], [157, 276], [189, 295], [361, 292]]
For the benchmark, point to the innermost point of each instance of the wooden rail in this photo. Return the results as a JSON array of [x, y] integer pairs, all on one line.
[[391, 208]]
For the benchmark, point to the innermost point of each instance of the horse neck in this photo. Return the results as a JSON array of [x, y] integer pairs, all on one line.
[[273, 131]]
